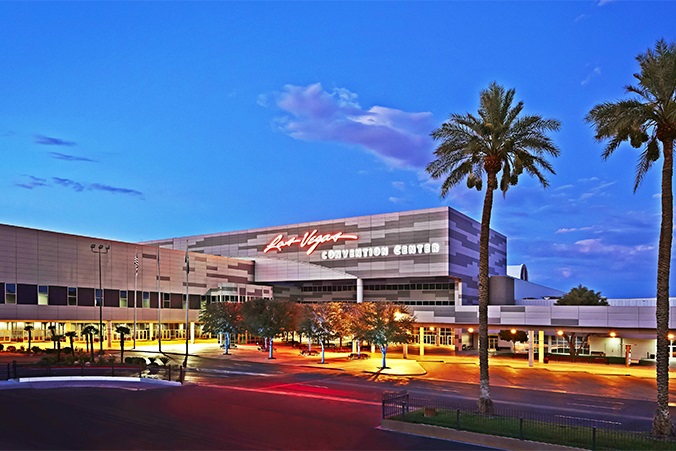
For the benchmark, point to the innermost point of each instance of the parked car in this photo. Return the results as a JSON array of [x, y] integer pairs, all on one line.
[[355, 356], [309, 352]]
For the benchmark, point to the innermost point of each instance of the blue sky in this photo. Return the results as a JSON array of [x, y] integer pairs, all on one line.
[[144, 120]]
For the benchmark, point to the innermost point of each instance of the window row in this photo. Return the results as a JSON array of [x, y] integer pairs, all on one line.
[[13, 293], [381, 287]]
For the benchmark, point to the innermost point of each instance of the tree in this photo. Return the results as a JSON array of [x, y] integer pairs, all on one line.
[[472, 147], [268, 318], [387, 323], [28, 328], [123, 331], [71, 335], [222, 318], [513, 335], [318, 322], [571, 339], [648, 121], [582, 296], [89, 331], [356, 326]]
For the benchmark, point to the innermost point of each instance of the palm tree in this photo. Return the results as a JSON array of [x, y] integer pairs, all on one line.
[[89, 332], [122, 330], [497, 141], [28, 328], [72, 334], [648, 121]]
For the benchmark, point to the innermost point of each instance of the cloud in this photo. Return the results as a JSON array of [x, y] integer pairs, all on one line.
[[597, 246], [603, 2], [67, 183], [399, 138], [67, 157], [574, 229], [396, 200], [114, 190], [32, 182], [596, 71], [50, 141], [401, 186]]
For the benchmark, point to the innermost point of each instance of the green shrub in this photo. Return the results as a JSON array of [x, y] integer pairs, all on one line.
[[47, 360], [36, 349], [135, 361], [164, 359], [2, 347], [11, 348]]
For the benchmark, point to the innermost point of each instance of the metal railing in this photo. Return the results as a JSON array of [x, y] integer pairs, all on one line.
[[522, 425]]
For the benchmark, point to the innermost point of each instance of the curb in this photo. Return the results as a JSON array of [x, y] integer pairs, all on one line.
[[493, 441]]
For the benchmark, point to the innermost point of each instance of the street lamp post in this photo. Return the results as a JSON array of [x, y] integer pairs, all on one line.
[[100, 249]]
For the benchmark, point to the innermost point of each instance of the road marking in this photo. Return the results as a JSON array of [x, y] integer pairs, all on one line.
[[588, 419], [296, 394], [594, 406], [244, 373]]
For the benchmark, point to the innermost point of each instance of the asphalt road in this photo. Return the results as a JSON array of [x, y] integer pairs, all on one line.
[[195, 417], [618, 400], [246, 401]]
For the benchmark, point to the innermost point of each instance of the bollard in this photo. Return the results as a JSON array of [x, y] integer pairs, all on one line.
[[521, 428]]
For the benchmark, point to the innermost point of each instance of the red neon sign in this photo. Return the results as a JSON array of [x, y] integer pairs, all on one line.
[[310, 240]]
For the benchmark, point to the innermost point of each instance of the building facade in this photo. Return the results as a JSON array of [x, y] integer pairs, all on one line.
[[426, 259]]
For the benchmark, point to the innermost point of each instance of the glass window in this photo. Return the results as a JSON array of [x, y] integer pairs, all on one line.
[[72, 296], [124, 300], [97, 298], [146, 300], [10, 293], [43, 294], [167, 300]]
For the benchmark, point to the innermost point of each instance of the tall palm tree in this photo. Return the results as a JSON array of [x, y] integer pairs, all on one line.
[[28, 328], [71, 335], [123, 331], [499, 145], [648, 121], [89, 331]]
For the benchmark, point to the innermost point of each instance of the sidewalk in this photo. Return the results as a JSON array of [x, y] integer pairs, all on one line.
[[285, 355], [396, 364]]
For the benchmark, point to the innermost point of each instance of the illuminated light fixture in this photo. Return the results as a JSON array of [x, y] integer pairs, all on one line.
[[559, 333], [470, 330], [513, 331], [613, 335], [310, 240], [432, 329], [670, 336]]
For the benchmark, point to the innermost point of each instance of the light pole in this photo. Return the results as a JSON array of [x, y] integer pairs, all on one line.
[[100, 249], [187, 303]]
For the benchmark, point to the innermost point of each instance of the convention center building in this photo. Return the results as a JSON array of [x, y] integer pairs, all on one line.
[[425, 259]]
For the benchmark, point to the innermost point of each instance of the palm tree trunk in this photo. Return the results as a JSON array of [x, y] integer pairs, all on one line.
[[121, 348], [662, 420], [485, 401]]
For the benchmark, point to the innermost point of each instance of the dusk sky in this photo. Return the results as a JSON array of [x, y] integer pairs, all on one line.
[[136, 121]]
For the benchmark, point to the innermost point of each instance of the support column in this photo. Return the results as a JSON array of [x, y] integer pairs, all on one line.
[[109, 329], [422, 341], [531, 350], [541, 346], [360, 291], [192, 332], [437, 338], [405, 350], [151, 328], [458, 339]]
